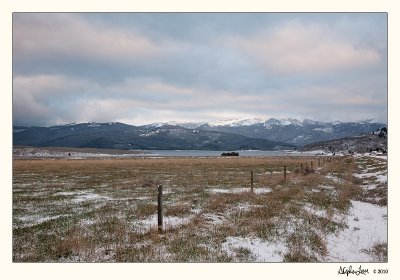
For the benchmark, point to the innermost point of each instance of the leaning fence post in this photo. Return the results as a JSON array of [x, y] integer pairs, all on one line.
[[284, 171], [160, 215], [301, 167], [312, 165]]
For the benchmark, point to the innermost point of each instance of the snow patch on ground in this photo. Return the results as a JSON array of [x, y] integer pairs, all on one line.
[[373, 175], [327, 187], [232, 190], [381, 177], [243, 207], [263, 251], [261, 190], [168, 191], [142, 198], [66, 193], [367, 225], [32, 220], [334, 178], [314, 211], [87, 222], [168, 222], [89, 196], [241, 190], [215, 219], [374, 155]]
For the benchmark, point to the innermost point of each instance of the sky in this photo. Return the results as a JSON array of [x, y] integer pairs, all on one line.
[[140, 68]]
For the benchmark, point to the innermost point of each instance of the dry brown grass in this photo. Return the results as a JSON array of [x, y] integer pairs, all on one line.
[[95, 207]]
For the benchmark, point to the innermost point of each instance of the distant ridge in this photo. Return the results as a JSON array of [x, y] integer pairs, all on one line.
[[117, 135], [257, 133], [293, 131]]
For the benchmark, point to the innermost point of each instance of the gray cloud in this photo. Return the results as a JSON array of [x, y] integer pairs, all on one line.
[[143, 67]]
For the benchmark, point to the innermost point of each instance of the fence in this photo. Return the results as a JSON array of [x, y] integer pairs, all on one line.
[[303, 171]]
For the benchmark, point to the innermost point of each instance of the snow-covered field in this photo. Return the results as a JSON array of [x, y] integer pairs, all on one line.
[[366, 227], [106, 210]]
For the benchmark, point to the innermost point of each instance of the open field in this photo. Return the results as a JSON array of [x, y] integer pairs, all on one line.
[[105, 210], [27, 152]]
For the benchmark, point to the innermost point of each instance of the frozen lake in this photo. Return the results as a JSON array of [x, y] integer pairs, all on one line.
[[201, 153]]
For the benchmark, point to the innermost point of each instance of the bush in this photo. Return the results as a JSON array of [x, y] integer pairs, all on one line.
[[231, 154]]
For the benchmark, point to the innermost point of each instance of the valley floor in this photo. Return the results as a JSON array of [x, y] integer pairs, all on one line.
[[105, 210]]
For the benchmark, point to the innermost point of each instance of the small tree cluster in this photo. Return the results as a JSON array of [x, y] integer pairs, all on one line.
[[231, 154], [383, 132], [382, 150]]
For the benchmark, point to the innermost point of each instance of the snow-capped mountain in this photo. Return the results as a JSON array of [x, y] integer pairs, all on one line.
[[190, 125], [156, 136], [235, 122], [268, 124], [293, 131], [257, 133], [286, 130], [228, 122]]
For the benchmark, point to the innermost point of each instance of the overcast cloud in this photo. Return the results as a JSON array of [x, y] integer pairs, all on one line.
[[141, 68]]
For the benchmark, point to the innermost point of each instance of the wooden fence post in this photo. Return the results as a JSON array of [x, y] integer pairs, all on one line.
[[319, 162], [301, 167], [312, 165], [284, 172], [160, 214], [251, 180]]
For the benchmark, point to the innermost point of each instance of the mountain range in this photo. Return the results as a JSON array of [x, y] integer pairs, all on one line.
[[239, 134], [147, 137], [293, 131]]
